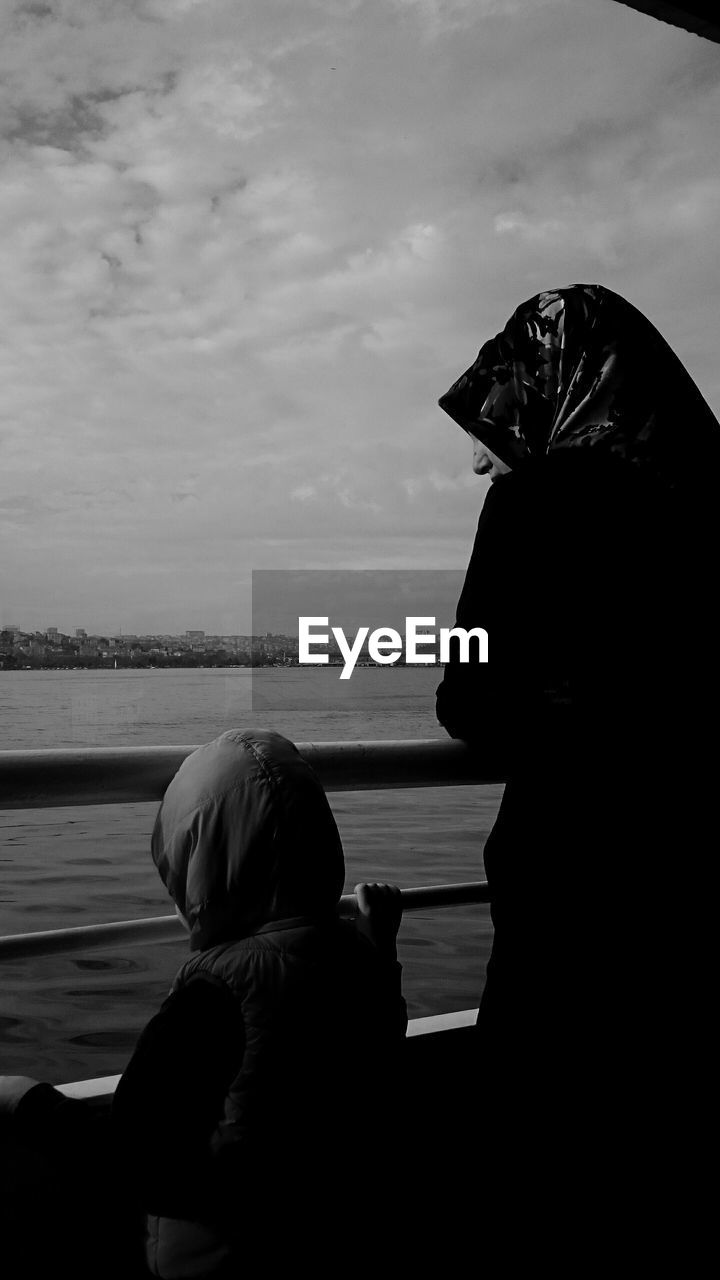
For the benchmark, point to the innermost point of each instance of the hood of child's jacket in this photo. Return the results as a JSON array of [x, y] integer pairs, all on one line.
[[245, 835]]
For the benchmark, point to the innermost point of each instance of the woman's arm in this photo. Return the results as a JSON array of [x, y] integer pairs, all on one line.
[[519, 588], [475, 701]]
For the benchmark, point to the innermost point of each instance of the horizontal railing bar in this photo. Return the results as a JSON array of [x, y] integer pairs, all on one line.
[[23, 946], [439, 1023], [51, 942], [119, 775], [100, 1087]]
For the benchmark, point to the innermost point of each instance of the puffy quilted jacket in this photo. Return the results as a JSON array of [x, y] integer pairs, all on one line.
[[235, 1111]]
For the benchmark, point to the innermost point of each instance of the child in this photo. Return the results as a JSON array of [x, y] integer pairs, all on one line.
[[258, 1107], [235, 1113]]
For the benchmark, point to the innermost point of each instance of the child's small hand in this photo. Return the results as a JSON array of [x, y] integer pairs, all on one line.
[[379, 914]]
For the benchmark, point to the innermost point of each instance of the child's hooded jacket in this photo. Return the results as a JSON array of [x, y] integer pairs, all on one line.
[[245, 835], [282, 1019]]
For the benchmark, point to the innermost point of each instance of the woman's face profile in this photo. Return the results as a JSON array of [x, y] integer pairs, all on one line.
[[487, 463]]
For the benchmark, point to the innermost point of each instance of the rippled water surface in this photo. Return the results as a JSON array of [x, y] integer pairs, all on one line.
[[67, 1017]]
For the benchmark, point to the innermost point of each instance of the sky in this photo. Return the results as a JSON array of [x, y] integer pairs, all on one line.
[[245, 245], [353, 598]]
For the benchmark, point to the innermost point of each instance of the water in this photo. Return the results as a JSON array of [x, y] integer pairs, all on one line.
[[69, 1017]]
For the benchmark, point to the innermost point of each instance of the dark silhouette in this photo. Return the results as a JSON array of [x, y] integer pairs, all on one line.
[[591, 572], [262, 1099]]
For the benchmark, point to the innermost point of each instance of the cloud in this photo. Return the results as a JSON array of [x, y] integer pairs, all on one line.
[[303, 493], [241, 259], [435, 482], [439, 18]]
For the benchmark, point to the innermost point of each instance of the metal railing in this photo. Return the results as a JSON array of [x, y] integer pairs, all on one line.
[[22, 946], [118, 775], [102, 1088], [109, 775]]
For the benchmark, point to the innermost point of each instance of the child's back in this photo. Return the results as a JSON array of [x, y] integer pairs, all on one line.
[[237, 1112]]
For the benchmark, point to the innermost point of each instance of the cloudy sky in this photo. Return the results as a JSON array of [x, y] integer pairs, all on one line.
[[246, 244]]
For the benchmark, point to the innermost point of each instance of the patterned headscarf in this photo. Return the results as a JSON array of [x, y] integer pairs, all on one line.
[[581, 367]]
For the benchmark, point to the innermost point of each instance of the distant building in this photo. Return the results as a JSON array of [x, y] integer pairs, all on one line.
[[195, 636], [51, 633], [80, 633]]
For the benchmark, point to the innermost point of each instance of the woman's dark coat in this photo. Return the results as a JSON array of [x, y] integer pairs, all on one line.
[[592, 574]]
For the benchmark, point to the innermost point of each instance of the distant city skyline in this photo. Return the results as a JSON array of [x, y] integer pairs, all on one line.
[[349, 598], [74, 631]]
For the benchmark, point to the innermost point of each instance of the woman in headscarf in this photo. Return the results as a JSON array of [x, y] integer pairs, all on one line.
[[591, 574]]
